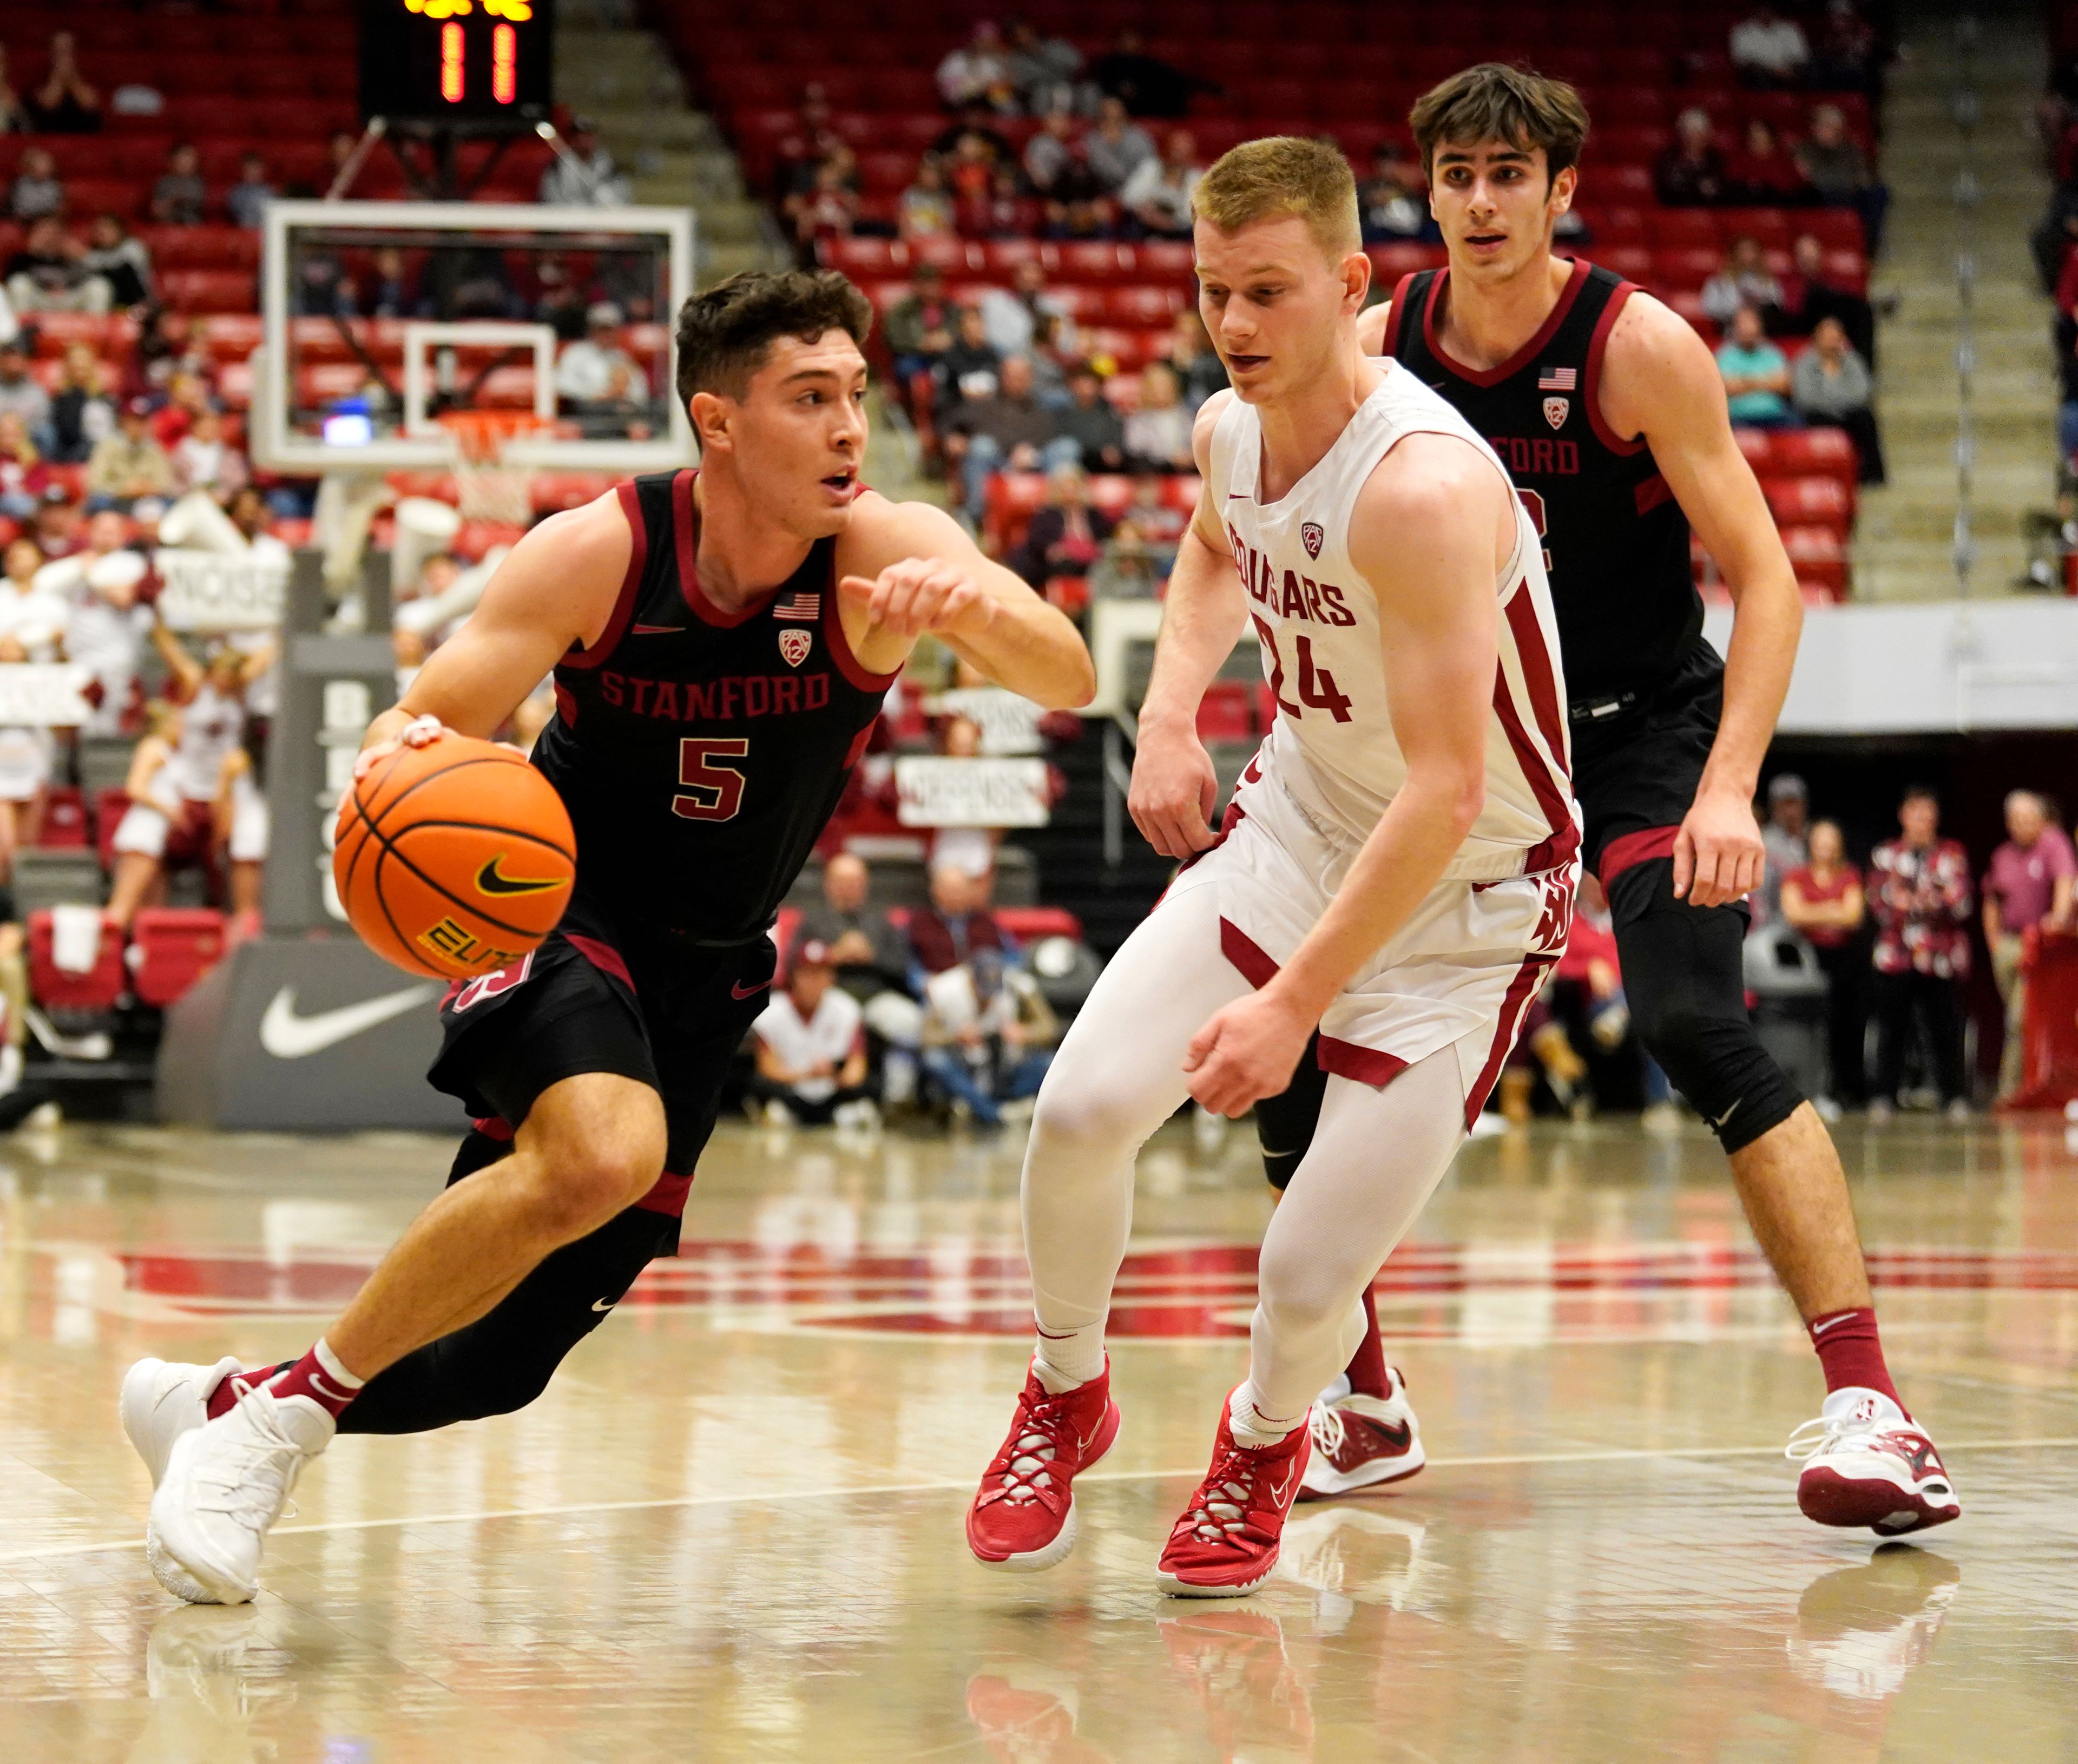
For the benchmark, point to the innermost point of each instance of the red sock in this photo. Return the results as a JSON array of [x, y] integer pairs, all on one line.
[[224, 1398], [1850, 1352], [318, 1376], [1366, 1370]]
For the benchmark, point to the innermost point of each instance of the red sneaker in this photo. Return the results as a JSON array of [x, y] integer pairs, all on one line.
[[1225, 1544], [1023, 1518]]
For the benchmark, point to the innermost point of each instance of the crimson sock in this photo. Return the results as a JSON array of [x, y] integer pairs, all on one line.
[[224, 1398], [1366, 1370], [318, 1376], [1850, 1352]]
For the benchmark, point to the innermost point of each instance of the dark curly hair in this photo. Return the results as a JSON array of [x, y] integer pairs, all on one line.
[[724, 334]]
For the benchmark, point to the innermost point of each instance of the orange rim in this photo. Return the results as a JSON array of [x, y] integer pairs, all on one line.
[[481, 436]]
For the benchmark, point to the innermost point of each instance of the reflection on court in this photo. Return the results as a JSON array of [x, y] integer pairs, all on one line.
[[731, 1529]]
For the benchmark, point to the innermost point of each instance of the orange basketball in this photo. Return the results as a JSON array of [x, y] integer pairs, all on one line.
[[454, 859]]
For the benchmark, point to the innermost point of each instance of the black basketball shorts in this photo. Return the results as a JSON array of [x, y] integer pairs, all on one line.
[[1637, 762], [668, 1014]]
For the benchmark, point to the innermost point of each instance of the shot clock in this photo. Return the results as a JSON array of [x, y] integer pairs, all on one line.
[[474, 62]]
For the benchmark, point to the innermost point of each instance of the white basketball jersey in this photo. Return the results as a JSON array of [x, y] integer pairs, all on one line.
[[1332, 745]]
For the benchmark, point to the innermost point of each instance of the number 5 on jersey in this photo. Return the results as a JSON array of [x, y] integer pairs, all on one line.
[[713, 792]]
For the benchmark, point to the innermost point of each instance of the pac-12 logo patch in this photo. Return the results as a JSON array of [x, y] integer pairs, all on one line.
[[1310, 536], [794, 645], [1555, 410]]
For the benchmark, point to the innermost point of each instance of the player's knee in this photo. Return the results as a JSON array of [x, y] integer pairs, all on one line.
[[577, 1181], [1300, 1294], [1086, 1120]]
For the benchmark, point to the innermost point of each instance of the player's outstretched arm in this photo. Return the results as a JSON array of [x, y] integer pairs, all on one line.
[[1430, 532], [1660, 381], [555, 591], [1174, 788], [908, 567]]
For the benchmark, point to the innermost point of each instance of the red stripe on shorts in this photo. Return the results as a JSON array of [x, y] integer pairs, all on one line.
[[1621, 854], [1521, 990]]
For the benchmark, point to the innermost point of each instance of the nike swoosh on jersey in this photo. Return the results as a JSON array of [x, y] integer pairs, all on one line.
[[740, 991], [491, 880], [288, 1036]]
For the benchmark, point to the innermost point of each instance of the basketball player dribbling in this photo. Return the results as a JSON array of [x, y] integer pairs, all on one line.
[[1396, 870], [721, 641], [1610, 412]]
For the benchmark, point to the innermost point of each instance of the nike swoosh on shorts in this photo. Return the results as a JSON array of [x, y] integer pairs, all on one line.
[[740, 991], [288, 1036]]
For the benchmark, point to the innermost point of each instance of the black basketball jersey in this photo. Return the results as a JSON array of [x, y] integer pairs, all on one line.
[[701, 752], [1616, 543]]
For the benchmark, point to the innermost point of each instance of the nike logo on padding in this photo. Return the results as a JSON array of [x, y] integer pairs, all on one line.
[[491, 880], [1725, 1117], [740, 991], [1820, 1328], [288, 1036], [603, 1304]]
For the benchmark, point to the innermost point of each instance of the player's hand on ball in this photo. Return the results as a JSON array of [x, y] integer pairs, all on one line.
[[420, 731], [1174, 790], [1718, 856], [1246, 1051], [919, 594]]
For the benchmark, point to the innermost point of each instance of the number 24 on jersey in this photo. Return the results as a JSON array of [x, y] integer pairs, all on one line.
[[1317, 686]]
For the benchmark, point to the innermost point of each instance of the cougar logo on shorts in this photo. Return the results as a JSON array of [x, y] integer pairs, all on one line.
[[1310, 536], [794, 644], [1555, 410], [489, 986], [491, 880]]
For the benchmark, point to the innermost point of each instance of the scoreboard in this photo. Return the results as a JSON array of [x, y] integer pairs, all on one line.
[[477, 62]]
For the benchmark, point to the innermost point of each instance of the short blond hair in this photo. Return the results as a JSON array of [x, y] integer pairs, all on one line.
[[1283, 174]]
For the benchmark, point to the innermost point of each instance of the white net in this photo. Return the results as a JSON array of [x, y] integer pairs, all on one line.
[[488, 486]]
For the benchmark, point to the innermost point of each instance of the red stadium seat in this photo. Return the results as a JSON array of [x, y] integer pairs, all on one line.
[[1817, 502], [209, 290], [1226, 713], [1812, 452], [96, 990], [1143, 303], [1086, 262], [859, 257], [170, 948], [63, 826], [1010, 501], [1029, 925]]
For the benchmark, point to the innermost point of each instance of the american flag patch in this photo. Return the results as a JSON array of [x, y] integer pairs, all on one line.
[[804, 608], [1559, 380]]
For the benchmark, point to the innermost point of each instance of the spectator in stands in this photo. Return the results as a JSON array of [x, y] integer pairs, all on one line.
[[1756, 375], [1838, 170], [1009, 431], [128, 463], [956, 922], [828, 211], [811, 1053], [203, 459], [64, 103], [98, 576], [1690, 172], [1090, 423], [178, 196], [588, 177], [925, 210], [84, 408], [1919, 896], [392, 294], [1143, 84], [2028, 888], [121, 259], [1057, 169], [1808, 296], [971, 365], [59, 529], [1822, 901], [869, 954], [1157, 435], [22, 396], [14, 112], [246, 201], [598, 381], [36, 190], [1745, 281], [24, 476], [1157, 197], [978, 120], [1117, 147], [1391, 202], [1831, 388], [1769, 50], [1042, 70], [47, 274], [971, 71], [1783, 839], [1762, 173], [167, 348], [1066, 536], [988, 1036], [32, 621], [1199, 372], [1005, 212], [919, 326], [1011, 317]]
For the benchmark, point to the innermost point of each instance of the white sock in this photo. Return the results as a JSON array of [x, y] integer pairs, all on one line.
[[1251, 1426], [1064, 1359], [1337, 1388]]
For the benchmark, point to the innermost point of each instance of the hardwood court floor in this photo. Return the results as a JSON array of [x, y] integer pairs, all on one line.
[[731, 1529]]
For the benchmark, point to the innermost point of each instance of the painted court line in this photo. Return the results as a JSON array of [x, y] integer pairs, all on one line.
[[107, 1545]]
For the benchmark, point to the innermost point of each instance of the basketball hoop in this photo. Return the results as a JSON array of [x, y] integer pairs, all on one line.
[[487, 488]]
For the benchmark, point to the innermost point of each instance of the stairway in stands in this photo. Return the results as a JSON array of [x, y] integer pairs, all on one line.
[[1070, 851], [611, 68]]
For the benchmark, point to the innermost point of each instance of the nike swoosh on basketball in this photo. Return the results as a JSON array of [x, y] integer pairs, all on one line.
[[491, 880], [289, 1036], [740, 991]]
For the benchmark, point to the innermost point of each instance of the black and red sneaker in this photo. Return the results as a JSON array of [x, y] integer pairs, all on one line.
[[1362, 1441]]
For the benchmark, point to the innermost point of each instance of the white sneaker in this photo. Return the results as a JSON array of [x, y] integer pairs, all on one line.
[[226, 1484], [861, 1116], [163, 1398], [1362, 1441], [1866, 1464]]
